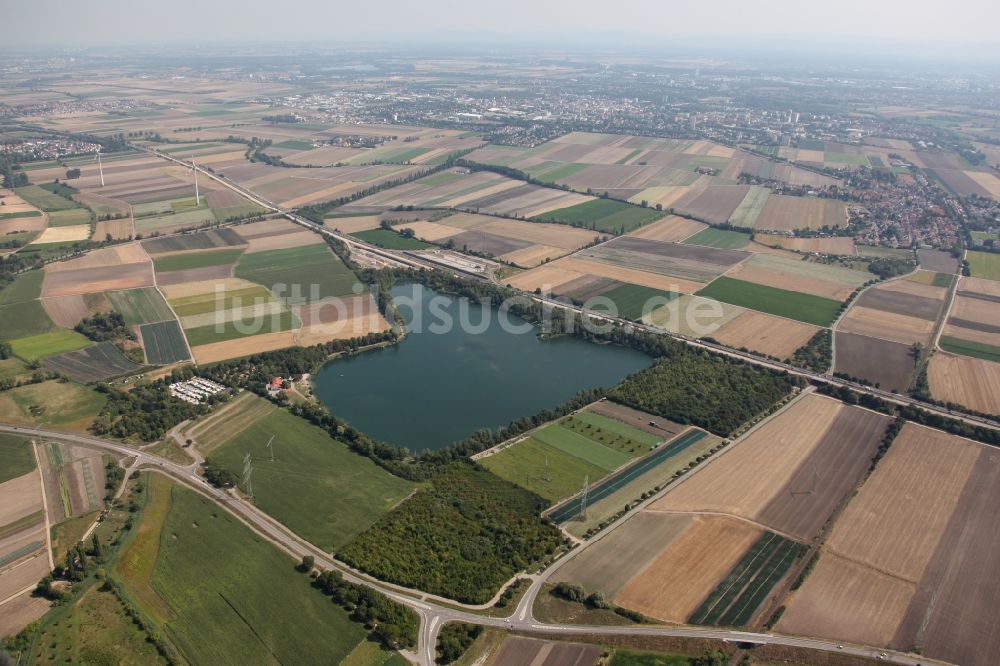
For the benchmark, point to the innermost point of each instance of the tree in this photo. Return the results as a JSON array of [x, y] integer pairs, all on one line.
[[307, 564]]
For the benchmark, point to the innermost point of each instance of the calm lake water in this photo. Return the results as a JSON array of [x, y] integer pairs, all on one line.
[[436, 388]]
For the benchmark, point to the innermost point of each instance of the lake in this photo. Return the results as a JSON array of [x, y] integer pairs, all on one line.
[[441, 384]]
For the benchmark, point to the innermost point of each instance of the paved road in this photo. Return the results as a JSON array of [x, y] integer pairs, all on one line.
[[433, 615]]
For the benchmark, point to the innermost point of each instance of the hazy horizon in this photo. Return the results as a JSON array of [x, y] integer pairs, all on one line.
[[967, 30]]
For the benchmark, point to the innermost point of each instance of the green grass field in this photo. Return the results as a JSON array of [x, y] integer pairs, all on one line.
[[630, 299], [16, 457], [230, 330], [231, 597], [845, 158], [41, 198], [771, 300], [313, 270], [726, 240], [69, 218], [970, 348], [316, 485], [943, 280], [60, 340], [163, 342], [559, 172], [199, 259], [13, 368], [554, 461], [140, 306], [603, 215], [25, 287], [984, 265], [24, 319], [14, 216], [294, 144], [630, 658], [54, 403], [391, 240]]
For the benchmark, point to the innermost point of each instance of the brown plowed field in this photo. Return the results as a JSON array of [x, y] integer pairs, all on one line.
[[350, 225], [89, 280], [937, 261], [118, 229], [608, 565], [715, 204], [972, 382], [66, 311], [844, 600], [21, 496], [915, 288], [670, 228], [119, 255], [283, 241], [679, 579], [747, 478], [980, 286], [518, 650], [888, 364], [765, 334], [880, 323], [268, 228], [899, 516], [900, 302], [827, 475], [220, 272], [622, 274], [533, 255], [785, 213], [547, 277]]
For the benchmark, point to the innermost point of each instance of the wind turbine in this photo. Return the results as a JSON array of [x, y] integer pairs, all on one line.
[[197, 197], [100, 166]]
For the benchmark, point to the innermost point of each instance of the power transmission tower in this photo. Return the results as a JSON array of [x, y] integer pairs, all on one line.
[[270, 448], [247, 472], [583, 497]]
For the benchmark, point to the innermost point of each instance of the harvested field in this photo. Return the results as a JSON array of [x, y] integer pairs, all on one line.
[[797, 274], [785, 451], [765, 334], [938, 261], [118, 255], [898, 518], [95, 363], [609, 564], [669, 229], [583, 266], [163, 342], [245, 346], [688, 262], [283, 241], [696, 316], [786, 213], [63, 234], [274, 227], [823, 245], [121, 229], [888, 365], [971, 286], [971, 382], [350, 225], [843, 599], [339, 319], [930, 292], [519, 650], [886, 325], [533, 255], [675, 583], [749, 210], [430, 231], [89, 280]]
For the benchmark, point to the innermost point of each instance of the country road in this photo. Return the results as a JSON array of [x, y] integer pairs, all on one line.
[[433, 615]]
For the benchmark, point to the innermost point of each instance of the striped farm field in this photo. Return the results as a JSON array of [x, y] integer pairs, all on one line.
[[771, 300], [196, 259], [312, 270], [214, 430], [39, 346], [605, 215], [632, 300], [749, 210], [140, 306], [726, 240], [970, 348], [163, 342], [251, 325]]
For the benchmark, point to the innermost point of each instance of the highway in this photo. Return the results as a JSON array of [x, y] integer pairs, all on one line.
[[435, 615], [409, 259]]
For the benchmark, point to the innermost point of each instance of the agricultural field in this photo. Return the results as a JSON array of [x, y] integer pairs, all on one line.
[[22, 313], [60, 405], [785, 213], [688, 263], [885, 364], [163, 343], [227, 421], [764, 334], [554, 461], [24, 556], [940, 261], [795, 305], [837, 245], [971, 382], [714, 204], [186, 261], [35, 347], [140, 306], [526, 244], [725, 240], [219, 592], [749, 210], [796, 273], [671, 228], [898, 311], [311, 272], [73, 478], [902, 566], [771, 478], [390, 240], [518, 650], [97, 362], [604, 215], [316, 485], [125, 266]]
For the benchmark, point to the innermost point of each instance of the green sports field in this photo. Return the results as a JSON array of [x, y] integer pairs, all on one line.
[[60, 340], [603, 215], [726, 240], [771, 300], [984, 264], [315, 485], [222, 593], [313, 271]]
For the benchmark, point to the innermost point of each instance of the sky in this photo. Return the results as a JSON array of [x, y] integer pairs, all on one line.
[[68, 23]]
